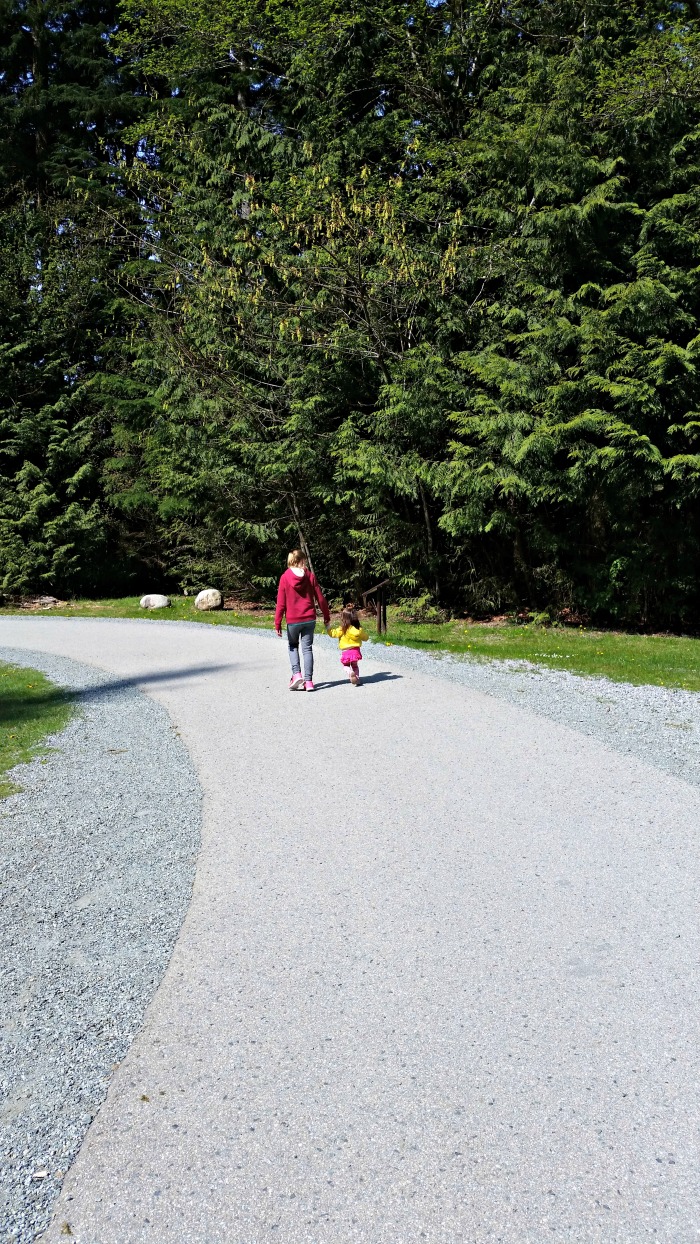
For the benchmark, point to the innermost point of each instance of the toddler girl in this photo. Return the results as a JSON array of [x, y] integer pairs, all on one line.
[[350, 636]]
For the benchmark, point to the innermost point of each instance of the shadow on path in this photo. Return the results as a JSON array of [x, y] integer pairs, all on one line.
[[138, 680], [13, 707], [383, 676]]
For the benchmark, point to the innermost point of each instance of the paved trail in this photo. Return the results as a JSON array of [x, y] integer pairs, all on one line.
[[438, 980]]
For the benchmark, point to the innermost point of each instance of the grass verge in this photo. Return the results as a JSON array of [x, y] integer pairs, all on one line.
[[657, 660], [31, 707]]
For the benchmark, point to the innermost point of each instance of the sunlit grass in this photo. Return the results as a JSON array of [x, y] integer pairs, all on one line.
[[660, 660], [31, 707], [181, 609]]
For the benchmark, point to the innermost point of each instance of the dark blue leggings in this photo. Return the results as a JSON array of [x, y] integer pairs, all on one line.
[[303, 631]]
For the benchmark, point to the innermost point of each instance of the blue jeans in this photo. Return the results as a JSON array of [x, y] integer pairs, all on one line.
[[303, 631]]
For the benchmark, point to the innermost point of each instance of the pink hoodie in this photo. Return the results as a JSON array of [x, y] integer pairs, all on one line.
[[296, 599]]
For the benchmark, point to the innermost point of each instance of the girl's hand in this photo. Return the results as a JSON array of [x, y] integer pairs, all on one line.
[[279, 631]]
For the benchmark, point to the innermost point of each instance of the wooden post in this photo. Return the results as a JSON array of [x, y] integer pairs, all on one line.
[[381, 610], [379, 593]]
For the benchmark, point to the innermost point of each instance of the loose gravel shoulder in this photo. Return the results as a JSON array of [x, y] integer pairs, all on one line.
[[660, 725], [99, 853]]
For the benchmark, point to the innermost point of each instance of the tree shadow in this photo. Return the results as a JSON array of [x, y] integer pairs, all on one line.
[[16, 708], [138, 680]]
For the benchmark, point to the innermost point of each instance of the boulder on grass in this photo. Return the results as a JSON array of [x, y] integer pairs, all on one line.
[[154, 601], [210, 598]]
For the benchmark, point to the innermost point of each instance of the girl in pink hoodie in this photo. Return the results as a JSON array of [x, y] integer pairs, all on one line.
[[297, 596]]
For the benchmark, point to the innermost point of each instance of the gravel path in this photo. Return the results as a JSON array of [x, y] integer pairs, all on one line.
[[660, 725], [438, 979], [98, 859]]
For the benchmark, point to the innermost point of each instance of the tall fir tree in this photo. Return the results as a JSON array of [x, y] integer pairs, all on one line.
[[426, 288], [414, 285], [64, 103]]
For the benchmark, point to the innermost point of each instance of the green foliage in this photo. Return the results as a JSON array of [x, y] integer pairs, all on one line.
[[437, 315], [62, 106], [51, 519], [414, 287], [577, 441]]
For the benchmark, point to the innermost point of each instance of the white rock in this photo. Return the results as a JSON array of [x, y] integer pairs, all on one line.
[[210, 598], [154, 601]]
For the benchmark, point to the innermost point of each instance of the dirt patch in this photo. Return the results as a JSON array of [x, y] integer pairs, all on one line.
[[245, 606], [40, 602]]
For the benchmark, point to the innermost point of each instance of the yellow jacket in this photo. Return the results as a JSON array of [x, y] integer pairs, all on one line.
[[354, 637]]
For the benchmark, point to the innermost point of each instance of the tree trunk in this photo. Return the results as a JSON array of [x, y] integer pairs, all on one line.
[[429, 533], [522, 570], [303, 545], [40, 71]]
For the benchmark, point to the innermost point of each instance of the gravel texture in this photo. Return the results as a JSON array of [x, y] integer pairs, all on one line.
[[660, 725], [438, 979], [99, 854]]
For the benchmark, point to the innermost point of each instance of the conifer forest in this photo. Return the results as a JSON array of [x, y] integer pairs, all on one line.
[[415, 286]]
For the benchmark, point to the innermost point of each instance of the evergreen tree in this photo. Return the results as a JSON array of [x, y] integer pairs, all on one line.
[[439, 300], [64, 102], [412, 286]]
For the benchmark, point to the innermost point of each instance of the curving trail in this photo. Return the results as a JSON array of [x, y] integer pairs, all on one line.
[[438, 980]]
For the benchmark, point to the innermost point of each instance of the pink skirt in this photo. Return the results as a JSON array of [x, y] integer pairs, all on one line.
[[349, 656]]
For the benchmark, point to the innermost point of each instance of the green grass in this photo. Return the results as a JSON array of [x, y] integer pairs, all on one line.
[[30, 708], [660, 660], [181, 610]]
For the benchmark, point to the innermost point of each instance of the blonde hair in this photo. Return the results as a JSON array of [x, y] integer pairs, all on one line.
[[296, 558], [349, 617]]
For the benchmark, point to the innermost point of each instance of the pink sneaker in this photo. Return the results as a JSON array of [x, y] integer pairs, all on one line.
[[296, 682], [309, 686]]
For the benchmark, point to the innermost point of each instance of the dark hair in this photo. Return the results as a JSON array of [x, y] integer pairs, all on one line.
[[348, 617]]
